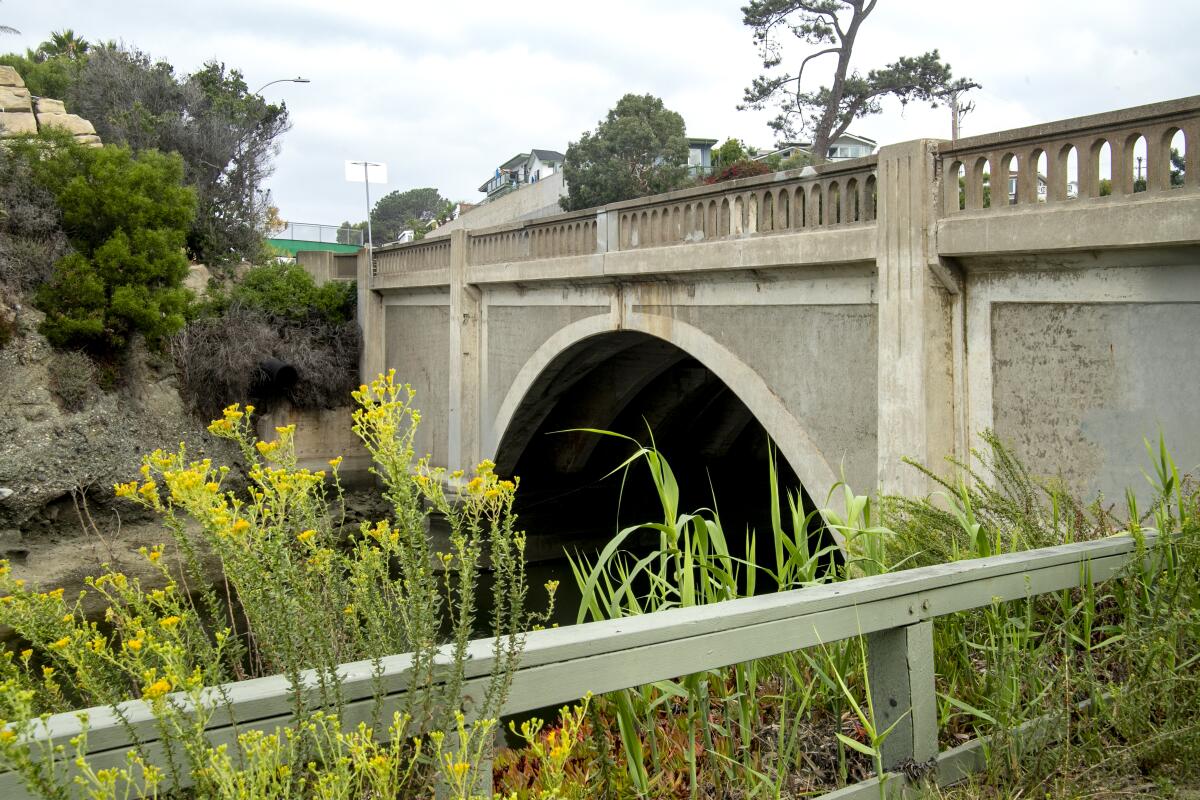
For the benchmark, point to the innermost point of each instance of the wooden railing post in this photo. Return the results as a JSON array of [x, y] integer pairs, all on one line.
[[900, 668]]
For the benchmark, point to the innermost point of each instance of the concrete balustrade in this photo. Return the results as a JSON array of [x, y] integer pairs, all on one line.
[[412, 257], [774, 203], [568, 235], [1047, 152]]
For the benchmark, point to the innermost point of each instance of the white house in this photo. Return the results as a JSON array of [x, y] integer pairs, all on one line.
[[848, 145], [520, 170]]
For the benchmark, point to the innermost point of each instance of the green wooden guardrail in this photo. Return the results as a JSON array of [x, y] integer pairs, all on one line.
[[560, 665]]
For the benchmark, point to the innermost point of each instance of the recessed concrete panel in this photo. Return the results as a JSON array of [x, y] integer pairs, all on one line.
[[820, 361], [514, 333], [417, 340], [1076, 387]]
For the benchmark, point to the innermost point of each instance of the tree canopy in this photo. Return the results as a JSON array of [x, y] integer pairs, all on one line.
[[126, 216], [639, 148], [826, 112], [398, 211], [226, 135]]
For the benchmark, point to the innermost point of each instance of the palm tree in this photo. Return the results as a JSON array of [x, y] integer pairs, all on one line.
[[62, 43]]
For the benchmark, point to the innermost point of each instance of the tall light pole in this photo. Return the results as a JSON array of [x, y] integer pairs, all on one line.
[[282, 80], [366, 167]]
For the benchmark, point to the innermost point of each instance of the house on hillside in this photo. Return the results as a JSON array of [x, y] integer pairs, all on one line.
[[700, 156], [521, 170], [848, 145]]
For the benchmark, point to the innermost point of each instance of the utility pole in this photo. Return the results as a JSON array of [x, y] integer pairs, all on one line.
[[957, 112]]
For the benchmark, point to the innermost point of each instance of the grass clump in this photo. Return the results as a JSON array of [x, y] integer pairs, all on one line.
[[1101, 679]]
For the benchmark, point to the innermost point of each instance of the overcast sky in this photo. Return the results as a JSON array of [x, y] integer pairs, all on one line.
[[444, 91]]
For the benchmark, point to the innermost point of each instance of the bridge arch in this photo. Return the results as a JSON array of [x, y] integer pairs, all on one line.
[[528, 401]]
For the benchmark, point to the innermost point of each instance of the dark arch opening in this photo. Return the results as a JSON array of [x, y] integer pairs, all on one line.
[[633, 383]]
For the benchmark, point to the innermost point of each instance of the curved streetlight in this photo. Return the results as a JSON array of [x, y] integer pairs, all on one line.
[[282, 80]]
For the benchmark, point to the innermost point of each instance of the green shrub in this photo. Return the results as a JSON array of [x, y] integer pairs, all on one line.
[[126, 217], [31, 237], [72, 376], [286, 291], [797, 160]]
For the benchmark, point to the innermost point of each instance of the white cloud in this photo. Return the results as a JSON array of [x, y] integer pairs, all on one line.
[[445, 91]]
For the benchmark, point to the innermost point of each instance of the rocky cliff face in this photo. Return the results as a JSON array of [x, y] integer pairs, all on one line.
[[21, 113], [60, 458]]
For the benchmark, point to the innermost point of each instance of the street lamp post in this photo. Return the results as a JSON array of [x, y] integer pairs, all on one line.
[[283, 80]]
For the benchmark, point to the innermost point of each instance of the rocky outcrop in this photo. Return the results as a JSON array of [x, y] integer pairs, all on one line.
[[22, 113], [59, 520]]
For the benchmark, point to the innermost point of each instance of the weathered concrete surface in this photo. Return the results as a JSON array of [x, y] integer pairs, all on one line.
[[826, 374], [417, 340], [321, 434], [1078, 386], [515, 333]]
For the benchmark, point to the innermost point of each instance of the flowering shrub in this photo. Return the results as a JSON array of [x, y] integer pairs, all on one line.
[[300, 591]]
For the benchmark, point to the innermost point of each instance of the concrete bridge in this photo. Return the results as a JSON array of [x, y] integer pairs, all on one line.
[[857, 313]]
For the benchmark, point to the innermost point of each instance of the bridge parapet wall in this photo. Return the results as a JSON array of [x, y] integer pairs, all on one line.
[[562, 235], [837, 194], [791, 201], [1045, 153], [412, 257]]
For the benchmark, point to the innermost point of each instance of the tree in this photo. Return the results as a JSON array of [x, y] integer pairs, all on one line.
[[62, 44], [827, 112], [126, 216], [397, 211], [639, 148], [226, 136], [1178, 165], [730, 152], [47, 77]]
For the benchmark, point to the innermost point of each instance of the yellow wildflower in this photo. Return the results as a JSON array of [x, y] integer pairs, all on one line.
[[240, 525], [26, 654], [348, 610], [169, 622], [47, 671], [67, 617], [8, 598], [157, 689], [57, 594], [306, 536], [134, 644], [335, 462], [61, 643]]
